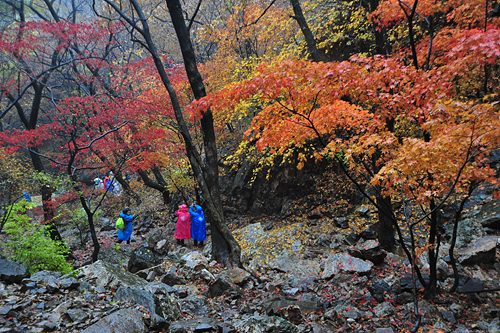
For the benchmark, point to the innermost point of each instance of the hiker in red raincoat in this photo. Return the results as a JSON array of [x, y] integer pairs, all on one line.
[[183, 226]]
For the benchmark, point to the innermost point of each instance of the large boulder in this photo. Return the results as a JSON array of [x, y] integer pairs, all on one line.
[[192, 263], [344, 263], [468, 230], [489, 216], [143, 257], [124, 320], [296, 266], [368, 250], [160, 311], [12, 272], [228, 282], [482, 250], [110, 276]]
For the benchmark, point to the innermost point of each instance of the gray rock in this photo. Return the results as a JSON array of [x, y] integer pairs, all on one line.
[[70, 283], [107, 224], [121, 321], [172, 279], [265, 324], [142, 257], [384, 330], [182, 325], [274, 305], [296, 266], [385, 309], [482, 250], [111, 276], [380, 290], [439, 325], [369, 250], [192, 263], [468, 230], [150, 301], [489, 216], [344, 263], [494, 326], [12, 272]]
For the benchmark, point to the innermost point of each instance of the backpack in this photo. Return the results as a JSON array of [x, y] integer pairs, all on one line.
[[120, 224]]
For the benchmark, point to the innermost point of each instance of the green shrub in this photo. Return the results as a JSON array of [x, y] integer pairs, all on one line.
[[30, 245]]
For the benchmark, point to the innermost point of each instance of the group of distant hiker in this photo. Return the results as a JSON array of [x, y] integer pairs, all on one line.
[[109, 184], [190, 224]]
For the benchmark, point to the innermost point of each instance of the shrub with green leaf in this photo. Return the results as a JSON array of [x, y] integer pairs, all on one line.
[[29, 243]]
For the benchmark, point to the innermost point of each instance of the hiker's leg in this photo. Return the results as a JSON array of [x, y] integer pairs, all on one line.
[[201, 244], [178, 241], [195, 242]]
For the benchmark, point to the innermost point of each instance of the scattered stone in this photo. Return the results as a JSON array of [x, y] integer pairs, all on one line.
[[482, 250], [125, 320], [344, 263], [111, 276]]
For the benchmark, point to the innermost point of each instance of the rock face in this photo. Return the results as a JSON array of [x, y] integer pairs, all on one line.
[[489, 216], [344, 263], [111, 276], [482, 250], [143, 257], [12, 272], [160, 311], [125, 320]]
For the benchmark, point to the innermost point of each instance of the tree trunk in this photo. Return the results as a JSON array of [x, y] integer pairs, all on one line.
[[225, 248], [160, 184], [306, 31], [385, 232]]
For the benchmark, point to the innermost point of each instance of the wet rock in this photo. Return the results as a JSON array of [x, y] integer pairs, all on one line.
[[274, 305], [201, 323], [368, 250], [384, 310], [489, 216], [344, 263], [142, 257], [107, 224], [468, 230], [468, 284], [110, 276], [169, 308], [481, 250], [192, 263], [295, 266], [12, 272], [380, 290], [341, 222], [172, 279], [262, 324], [226, 283], [125, 320]]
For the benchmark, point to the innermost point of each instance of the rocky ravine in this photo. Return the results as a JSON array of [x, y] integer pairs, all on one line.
[[326, 283]]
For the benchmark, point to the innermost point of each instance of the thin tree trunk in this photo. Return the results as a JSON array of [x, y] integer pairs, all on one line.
[[306, 31]]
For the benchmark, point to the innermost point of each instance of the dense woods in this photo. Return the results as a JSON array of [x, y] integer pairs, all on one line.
[[401, 98]]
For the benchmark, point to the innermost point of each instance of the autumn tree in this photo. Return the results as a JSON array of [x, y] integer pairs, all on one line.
[[225, 249]]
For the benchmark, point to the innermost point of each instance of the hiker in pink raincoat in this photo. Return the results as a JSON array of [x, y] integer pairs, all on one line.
[[183, 226]]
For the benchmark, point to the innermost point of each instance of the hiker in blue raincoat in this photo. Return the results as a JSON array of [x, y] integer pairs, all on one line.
[[198, 227], [125, 233]]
